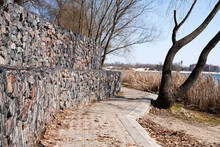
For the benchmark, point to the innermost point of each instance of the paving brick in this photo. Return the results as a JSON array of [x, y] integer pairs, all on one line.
[[106, 123]]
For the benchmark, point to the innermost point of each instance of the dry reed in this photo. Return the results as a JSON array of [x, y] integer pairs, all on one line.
[[203, 95], [139, 80]]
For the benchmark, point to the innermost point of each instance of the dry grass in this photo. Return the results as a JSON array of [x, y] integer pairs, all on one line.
[[179, 111], [141, 81], [204, 95]]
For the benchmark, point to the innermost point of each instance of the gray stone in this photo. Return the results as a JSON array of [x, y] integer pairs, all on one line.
[[2, 60], [23, 45], [25, 38], [13, 38], [30, 19], [31, 80], [57, 84], [19, 49], [19, 35], [12, 107], [34, 22], [3, 29], [20, 25], [14, 30]]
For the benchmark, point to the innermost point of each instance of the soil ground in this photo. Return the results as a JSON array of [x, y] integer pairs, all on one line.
[[182, 127]]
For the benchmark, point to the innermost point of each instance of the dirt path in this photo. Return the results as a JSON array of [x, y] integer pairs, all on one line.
[[172, 131]]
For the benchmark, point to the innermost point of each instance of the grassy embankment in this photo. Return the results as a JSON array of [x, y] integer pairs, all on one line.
[[203, 96]]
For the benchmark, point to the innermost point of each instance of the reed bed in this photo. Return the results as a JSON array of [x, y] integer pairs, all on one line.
[[139, 80], [204, 95]]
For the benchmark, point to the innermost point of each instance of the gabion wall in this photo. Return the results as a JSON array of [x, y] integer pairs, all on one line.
[[44, 69], [26, 40]]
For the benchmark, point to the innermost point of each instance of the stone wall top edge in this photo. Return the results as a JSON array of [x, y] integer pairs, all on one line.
[[10, 7]]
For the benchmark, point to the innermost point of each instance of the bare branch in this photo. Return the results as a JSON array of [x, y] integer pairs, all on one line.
[[199, 66], [198, 30], [107, 21], [176, 24], [187, 15], [102, 19]]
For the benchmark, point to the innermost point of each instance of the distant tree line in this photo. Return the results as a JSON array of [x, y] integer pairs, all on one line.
[[158, 67]]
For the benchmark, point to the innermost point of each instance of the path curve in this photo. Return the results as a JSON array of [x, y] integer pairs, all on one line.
[[111, 122]]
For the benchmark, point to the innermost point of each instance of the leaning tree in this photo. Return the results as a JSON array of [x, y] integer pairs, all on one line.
[[167, 96]]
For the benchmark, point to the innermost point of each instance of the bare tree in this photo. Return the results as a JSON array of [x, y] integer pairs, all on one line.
[[118, 27], [114, 24], [167, 96]]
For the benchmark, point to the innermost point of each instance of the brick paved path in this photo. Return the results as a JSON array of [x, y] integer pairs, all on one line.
[[109, 123]]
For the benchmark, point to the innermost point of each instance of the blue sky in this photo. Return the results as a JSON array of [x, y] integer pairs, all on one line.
[[155, 52]]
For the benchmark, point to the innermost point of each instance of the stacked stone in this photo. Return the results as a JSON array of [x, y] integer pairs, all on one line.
[[44, 69], [30, 99], [26, 40]]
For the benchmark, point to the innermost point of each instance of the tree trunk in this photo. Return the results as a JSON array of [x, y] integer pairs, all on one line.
[[167, 96], [164, 100]]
